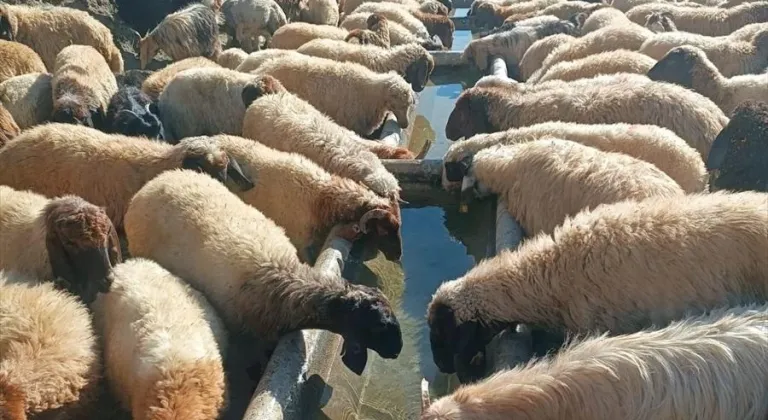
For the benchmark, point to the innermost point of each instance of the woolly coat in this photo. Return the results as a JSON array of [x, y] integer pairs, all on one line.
[[231, 58], [712, 21], [190, 32], [49, 29], [374, 94], [538, 51], [395, 12], [28, 98], [398, 35], [321, 12], [649, 143], [608, 99], [561, 178], [255, 59], [611, 62], [602, 18], [8, 127], [18, 59], [249, 19], [50, 358], [296, 34], [156, 82], [162, 360]]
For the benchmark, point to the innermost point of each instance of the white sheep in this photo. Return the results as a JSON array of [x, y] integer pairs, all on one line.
[[70, 156], [29, 98], [398, 13], [678, 371], [374, 94], [296, 34], [255, 59], [154, 84], [649, 143], [747, 32], [50, 360], [611, 62], [250, 272], [712, 21], [627, 98], [231, 58], [602, 18], [163, 361], [398, 34], [247, 20], [689, 67], [538, 52], [585, 178], [321, 12], [610, 269]]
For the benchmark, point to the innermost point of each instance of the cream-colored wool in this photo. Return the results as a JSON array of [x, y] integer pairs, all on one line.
[[374, 94], [398, 34], [492, 13], [249, 19], [231, 58], [712, 21], [255, 59], [679, 371], [50, 358], [747, 32], [163, 344], [350, 6], [156, 82], [602, 18], [649, 143], [611, 62], [296, 34], [397, 13], [190, 32], [18, 59], [321, 12], [81, 73], [29, 98], [538, 51], [49, 29]]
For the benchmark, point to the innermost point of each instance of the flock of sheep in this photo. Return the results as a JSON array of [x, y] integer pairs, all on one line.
[[224, 171]]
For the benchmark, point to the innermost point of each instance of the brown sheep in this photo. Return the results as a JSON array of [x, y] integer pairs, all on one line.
[[377, 33], [18, 59], [190, 32], [8, 127]]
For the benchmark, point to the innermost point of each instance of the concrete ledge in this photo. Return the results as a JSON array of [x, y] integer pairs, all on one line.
[[448, 58], [416, 171]]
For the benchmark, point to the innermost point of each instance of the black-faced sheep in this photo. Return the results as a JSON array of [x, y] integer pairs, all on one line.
[[49, 29], [689, 67], [320, 12], [398, 34], [649, 143], [585, 178], [8, 127], [231, 58], [131, 112], [264, 290], [377, 33], [538, 52], [374, 94], [82, 87], [676, 372], [286, 122], [28, 98], [18, 59], [611, 62], [190, 32], [626, 98], [156, 82], [49, 362], [617, 268], [133, 77], [712, 21], [247, 20], [411, 61], [66, 240], [163, 361], [318, 199], [296, 34], [105, 169], [739, 151], [658, 22]]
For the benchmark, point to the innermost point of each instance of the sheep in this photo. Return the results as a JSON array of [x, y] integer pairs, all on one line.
[[162, 361], [712, 21], [131, 112], [618, 61], [649, 143], [563, 10], [28, 98], [82, 87], [231, 58], [320, 12], [374, 94], [422, 25], [324, 200], [257, 58], [724, 238], [692, 361], [8, 127], [249, 19], [610, 38], [398, 34], [490, 15], [264, 290], [659, 22], [602, 18], [586, 176], [432, 7], [18, 59], [133, 77], [293, 9], [209, 89], [155, 83], [66, 239], [50, 360], [538, 51], [49, 29], [377, 33], [738, 153], [412, 61], [689, 67], [628, 98], [747, 32], [732, 58], [350, 6], [190, 32], [513, 44], [70, 155], [286, 122], [295, 34]]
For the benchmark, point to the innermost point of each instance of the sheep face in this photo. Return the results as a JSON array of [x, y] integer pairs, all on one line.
[[740, 150], [677, 66], [454, 171], [132, 113], [147, 50], [82, 246], [364, 317], [419, 71], [469, 116], [70, 109], [402, 104], [444, 30], [384, 227], [8, 25], [263, 85], [485, 16], [203, 155]]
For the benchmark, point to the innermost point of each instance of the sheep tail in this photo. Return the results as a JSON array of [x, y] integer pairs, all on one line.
[[12, 400], [190, 390]]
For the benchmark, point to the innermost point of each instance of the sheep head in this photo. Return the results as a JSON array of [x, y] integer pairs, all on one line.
[[455, 170], [203, 154], [70, 109], [262, 85], [469, 115], [418, 72], [401, 101], [132, 113], [82, 246], [364, 317], [148, 48], [383, 225], [678, 66], [485, 15], [443, 28], [9, 26]]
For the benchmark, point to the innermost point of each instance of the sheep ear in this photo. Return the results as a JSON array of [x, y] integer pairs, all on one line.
[[61, 265], [354, 356], [250, 93], [456, 170], [386, 229], [199, 163], [235, 172]]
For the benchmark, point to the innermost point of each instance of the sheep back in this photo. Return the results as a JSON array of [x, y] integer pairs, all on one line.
[[155, 83], [28, 98], [296, 34], [611, 62], [18, 59]]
